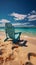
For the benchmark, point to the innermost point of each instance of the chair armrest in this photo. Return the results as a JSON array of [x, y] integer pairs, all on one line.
[[18, 32]]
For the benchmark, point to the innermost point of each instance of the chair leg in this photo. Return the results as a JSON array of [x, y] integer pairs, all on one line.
[[6, 39]]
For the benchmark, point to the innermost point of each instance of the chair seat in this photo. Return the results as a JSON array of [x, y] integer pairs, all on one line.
[[16, 36]]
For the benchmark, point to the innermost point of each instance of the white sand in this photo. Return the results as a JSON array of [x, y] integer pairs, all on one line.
[[19, 55]]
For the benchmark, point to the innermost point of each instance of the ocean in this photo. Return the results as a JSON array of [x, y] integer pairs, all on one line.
[[25, 30]]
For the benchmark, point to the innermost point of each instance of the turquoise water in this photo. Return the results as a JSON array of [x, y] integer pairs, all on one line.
[[25, 30]]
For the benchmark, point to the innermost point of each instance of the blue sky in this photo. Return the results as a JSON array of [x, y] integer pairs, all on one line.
[[18, 12]]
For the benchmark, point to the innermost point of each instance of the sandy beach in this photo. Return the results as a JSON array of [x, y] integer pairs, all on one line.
[[13, 54]]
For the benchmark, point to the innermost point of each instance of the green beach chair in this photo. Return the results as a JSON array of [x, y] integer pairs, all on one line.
[[10, 32]]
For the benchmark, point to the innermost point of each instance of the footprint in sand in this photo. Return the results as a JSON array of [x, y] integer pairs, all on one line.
[[31, 56]]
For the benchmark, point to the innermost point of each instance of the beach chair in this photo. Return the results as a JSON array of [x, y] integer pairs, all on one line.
[[10, 33]]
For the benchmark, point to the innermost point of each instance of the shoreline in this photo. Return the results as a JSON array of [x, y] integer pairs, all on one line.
[[25, 33], [29, 38]]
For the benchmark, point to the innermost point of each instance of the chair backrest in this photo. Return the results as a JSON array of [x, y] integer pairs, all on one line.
[[10, 30]]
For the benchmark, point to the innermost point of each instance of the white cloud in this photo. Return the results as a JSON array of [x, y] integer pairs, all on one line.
[[4, 20], [18, 16], [20, 24], [16, 24], [33, 12], [32, 16], [28, 14], [2, 25], [31, 25]]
